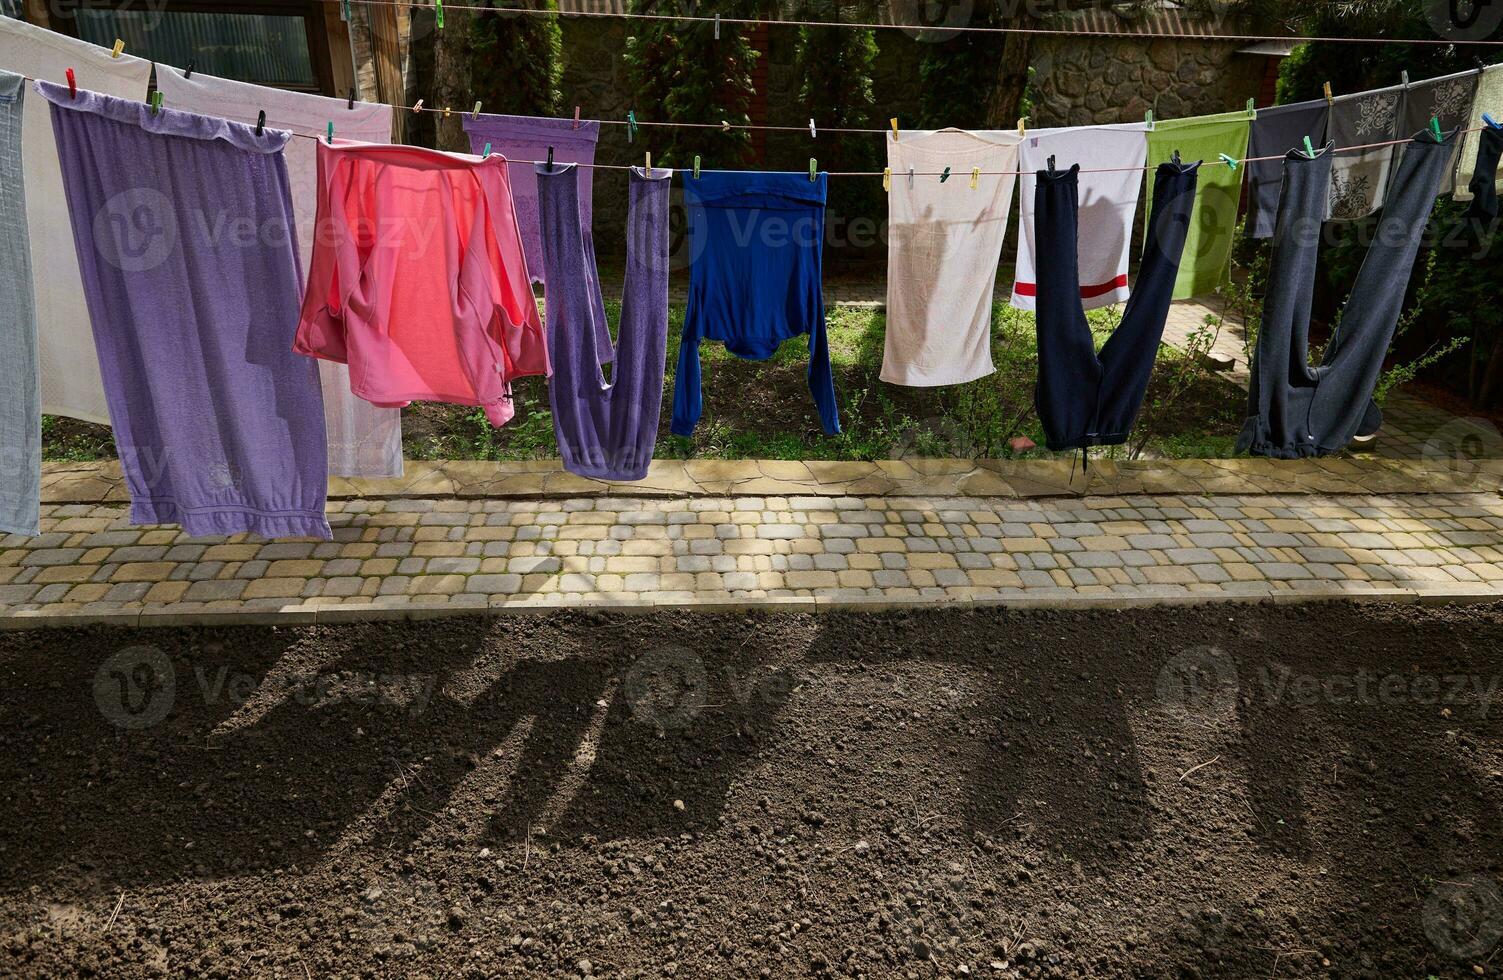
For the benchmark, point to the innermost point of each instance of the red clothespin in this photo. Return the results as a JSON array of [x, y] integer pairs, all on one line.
[[576, 117], [72, 85]]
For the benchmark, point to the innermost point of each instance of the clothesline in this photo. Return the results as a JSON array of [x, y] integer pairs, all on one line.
[[860, 25]]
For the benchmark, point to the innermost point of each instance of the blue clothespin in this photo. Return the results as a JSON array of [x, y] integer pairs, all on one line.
[[1231, 162], [330, 137], [631, 125], [485, 152], [944, 176], [1309, 149], [1491, 121]]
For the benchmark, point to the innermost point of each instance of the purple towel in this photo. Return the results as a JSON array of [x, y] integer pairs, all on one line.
[[606, 431], [184, 230], [526, 139]]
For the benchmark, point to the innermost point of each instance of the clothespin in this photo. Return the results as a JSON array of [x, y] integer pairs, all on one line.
[[813, 168], [476, 114], [1485, 117], [344, 11], [330, 137], [1148, 118], [417, 106], [887, 178], [576, 116], [717, 27], [1231, 162], [1252, 111], [725, 127], [696, 166], [485, 153], [260, 122], [72, 85], [1435, 125], [631, 125], [944, 176], [1309, 148], [812, 133], [446, 112], [1176, 158], [350, 104], [1051, 163], [550, 160], [1404, 77], [1327, 89], [975, 177], [894, 123], [438, 13], [189, 72], [648, 166], [156, 102], [1022, 125], [119, 47]]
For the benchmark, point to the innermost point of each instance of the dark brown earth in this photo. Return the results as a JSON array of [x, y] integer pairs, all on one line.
[[1237, 791]]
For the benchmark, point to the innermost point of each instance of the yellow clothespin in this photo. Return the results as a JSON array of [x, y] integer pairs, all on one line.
[[476, 113], [417, 106], [975, 176], [446, 112], [1327, 88], [119, 47], [1022, 125], [887, 178], [894, 122], [696, 166], [649, 163]]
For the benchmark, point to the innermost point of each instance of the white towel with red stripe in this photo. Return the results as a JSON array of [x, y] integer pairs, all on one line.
[[1108, 199]]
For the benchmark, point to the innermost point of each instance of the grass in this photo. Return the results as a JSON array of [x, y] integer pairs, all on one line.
[[762, 410]]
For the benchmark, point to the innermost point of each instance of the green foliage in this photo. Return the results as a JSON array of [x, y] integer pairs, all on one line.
[[516, 61], [834, 68], [678, 72]]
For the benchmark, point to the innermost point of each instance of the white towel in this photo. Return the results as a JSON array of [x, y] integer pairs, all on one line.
[[1107, 204], [67, 362], [944, 242], [363, 440]]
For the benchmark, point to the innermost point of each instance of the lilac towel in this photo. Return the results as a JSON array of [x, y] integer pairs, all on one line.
[[606, 431], [526, 139], [184, 230]]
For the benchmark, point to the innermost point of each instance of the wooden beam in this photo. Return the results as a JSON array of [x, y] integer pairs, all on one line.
[[341, 53], [386, 51]]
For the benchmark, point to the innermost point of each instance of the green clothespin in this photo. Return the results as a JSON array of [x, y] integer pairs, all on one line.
[[1229, 161], [1309, 149], [1252, 111], [1148, 118], [1435, 125], [631, 125], [344, 11], [156, 102], [696, 166], [485, 153], [438, 12], [813, 167], [944, 176], [330, 137]]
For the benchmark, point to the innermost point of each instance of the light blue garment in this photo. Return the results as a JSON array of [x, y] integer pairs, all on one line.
[[21, 407]]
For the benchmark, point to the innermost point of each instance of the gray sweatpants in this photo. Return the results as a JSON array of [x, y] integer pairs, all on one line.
[[20, 407], [1294, 409]]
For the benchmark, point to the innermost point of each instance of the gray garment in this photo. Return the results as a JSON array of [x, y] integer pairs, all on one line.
[[1359, 178], [1293, 409], [1274, 131], [21, 408], [1447, 99]]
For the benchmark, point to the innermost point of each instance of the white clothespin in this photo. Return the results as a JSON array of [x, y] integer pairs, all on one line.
[[812, 133], [417, 106], [717, 27]]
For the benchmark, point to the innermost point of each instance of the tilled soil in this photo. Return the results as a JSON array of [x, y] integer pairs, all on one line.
[[1239, 791]]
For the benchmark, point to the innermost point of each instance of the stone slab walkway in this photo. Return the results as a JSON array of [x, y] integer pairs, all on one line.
[[987, 533]]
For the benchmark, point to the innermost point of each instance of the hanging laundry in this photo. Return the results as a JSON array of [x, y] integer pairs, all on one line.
[[20, 408], [1297, 410], [1359, 178], [418, 281], [1273, 133], [363, 440], [605, 430], [943, 245], [66, 360], [1447, 99], [1206, 261], [1484, 180], [756, 242], [526, 139], [1084, 398], [1108, 201], [1489, 100], [183, 225]]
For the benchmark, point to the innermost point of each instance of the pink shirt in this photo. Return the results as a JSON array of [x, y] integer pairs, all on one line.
[[418, 281]]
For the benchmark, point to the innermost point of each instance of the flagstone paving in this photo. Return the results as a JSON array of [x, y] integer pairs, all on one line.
[[476, 538]]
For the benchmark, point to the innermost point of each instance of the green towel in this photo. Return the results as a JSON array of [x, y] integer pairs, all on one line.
[[1213, 223]]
